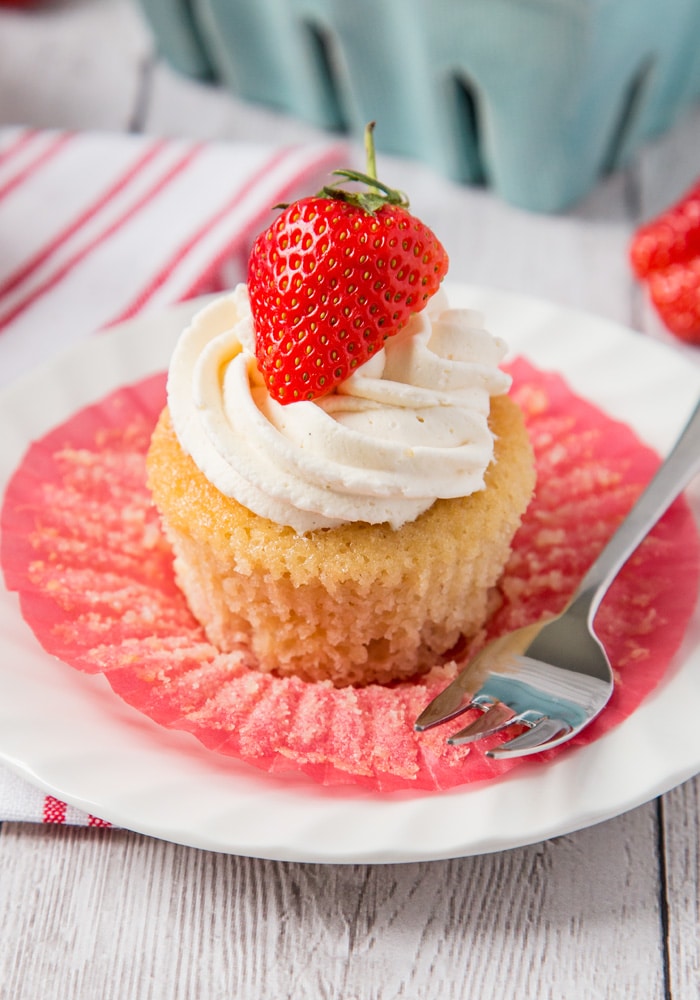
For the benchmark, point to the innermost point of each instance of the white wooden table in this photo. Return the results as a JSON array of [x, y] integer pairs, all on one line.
[[610, 911]]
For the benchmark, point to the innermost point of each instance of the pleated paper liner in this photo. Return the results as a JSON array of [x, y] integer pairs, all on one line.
[[83, 547]]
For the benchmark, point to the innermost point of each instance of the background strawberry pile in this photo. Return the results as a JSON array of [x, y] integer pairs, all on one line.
[[665, 253]]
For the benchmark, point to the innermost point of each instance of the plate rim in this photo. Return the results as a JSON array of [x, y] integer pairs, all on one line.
[[331, 825]]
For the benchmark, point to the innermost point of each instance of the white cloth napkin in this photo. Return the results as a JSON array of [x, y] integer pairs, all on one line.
[[97, 227]]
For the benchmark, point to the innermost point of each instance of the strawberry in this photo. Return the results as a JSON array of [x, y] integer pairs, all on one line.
[[665, 253], [670, 238], [332, 278], [675, 291]]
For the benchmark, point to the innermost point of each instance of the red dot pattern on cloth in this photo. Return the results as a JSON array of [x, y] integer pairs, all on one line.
[[82, 545], [96, 821], [54, 810]]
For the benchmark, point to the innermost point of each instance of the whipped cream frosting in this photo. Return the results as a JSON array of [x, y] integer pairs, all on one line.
[[408, 427]]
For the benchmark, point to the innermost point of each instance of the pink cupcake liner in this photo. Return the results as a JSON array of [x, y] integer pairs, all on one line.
[[82, 545]]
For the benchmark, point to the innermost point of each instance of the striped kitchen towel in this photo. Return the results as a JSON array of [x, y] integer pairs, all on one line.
[[97, 227]]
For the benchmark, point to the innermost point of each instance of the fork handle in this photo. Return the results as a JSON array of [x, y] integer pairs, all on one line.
[[671, 478]]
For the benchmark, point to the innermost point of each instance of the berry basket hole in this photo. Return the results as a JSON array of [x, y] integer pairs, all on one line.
[[467, 129], [631, 106], [325, 60]]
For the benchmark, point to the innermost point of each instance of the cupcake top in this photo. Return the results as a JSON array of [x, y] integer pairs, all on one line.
[[337, 385], [408, 426]]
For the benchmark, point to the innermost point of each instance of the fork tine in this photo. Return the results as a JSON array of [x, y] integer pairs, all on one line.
[[449, 703], [495, 718], [544, 732]]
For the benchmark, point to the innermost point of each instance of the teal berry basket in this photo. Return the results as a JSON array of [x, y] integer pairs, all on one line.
[[538, 99]]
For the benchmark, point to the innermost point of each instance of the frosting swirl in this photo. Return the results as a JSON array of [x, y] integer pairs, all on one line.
[[408, 427]]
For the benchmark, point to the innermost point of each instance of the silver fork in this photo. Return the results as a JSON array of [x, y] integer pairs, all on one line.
[[554, 677]]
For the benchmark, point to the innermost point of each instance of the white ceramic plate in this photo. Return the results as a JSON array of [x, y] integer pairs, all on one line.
[[70, 735]]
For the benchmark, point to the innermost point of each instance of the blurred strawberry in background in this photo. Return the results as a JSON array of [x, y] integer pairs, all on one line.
[[665, 253]]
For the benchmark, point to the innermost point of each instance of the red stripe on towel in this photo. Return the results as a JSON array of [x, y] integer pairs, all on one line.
[[210, 279], [310, 170], [18, 143], [13, 280], [184, 161], [185, 248], [49, 151]]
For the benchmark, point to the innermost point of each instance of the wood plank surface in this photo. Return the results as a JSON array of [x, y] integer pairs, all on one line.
[[111, 914], [608, 912], [680, 855]]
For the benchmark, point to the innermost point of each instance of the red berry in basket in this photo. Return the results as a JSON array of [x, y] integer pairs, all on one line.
[[331, 279], [675, 292], [670, 238]]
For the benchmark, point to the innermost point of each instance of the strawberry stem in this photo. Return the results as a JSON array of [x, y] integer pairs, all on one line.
[[390, 195], [376, 197], [370, 152]]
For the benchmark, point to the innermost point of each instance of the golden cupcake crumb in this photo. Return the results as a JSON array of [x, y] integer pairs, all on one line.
[[354, 604]]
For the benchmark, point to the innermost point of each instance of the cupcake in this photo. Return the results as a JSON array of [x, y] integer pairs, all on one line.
[[339, 469]]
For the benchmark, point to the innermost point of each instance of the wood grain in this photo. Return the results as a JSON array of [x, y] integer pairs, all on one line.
[[680, 810], [112, 914]]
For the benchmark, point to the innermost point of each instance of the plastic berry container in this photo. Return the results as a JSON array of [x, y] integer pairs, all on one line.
[[536, 98]]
